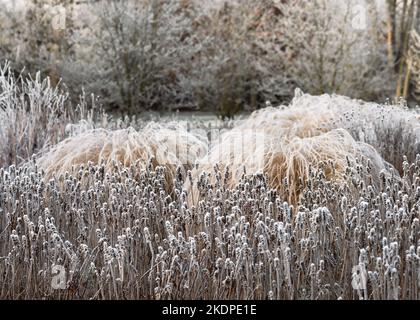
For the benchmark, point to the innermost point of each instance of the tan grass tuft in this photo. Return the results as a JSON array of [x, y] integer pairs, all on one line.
[[285, 142], [171, 146], [287, 161]]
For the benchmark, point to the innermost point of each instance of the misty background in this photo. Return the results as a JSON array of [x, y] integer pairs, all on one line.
[[223, 57]]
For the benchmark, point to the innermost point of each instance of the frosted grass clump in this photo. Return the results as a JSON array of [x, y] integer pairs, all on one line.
[[171, 145], [392, 130], [287, 161], [32, 115], [35, 115], [285, 142]]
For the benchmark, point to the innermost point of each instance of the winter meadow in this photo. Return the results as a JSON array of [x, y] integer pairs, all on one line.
[[182, 149]]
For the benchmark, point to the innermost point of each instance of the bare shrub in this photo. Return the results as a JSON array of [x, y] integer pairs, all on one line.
[[131, 55], [324, 47]]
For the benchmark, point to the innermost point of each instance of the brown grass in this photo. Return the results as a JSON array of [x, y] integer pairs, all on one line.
[[163, 145]]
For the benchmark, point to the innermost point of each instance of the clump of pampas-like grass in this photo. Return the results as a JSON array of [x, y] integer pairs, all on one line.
[[287, 161], [320, 132], [171, 146], [393, 130]]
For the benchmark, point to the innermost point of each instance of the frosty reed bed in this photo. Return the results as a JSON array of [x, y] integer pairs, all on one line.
[[124, 236]]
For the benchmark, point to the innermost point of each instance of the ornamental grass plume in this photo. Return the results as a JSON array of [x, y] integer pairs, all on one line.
[[287, 162], [170, 145], [285, 142], [33, 114], [393, 130]]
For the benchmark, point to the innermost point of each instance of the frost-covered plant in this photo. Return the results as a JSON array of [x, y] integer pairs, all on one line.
[[126, 229], [220, 69], [171, 145], [403, 19], [135, 52], [324, 46], [35, 114], [326, 130], [8, 24], [161, 54], [122, 236], [38, 36], [392, 130]]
